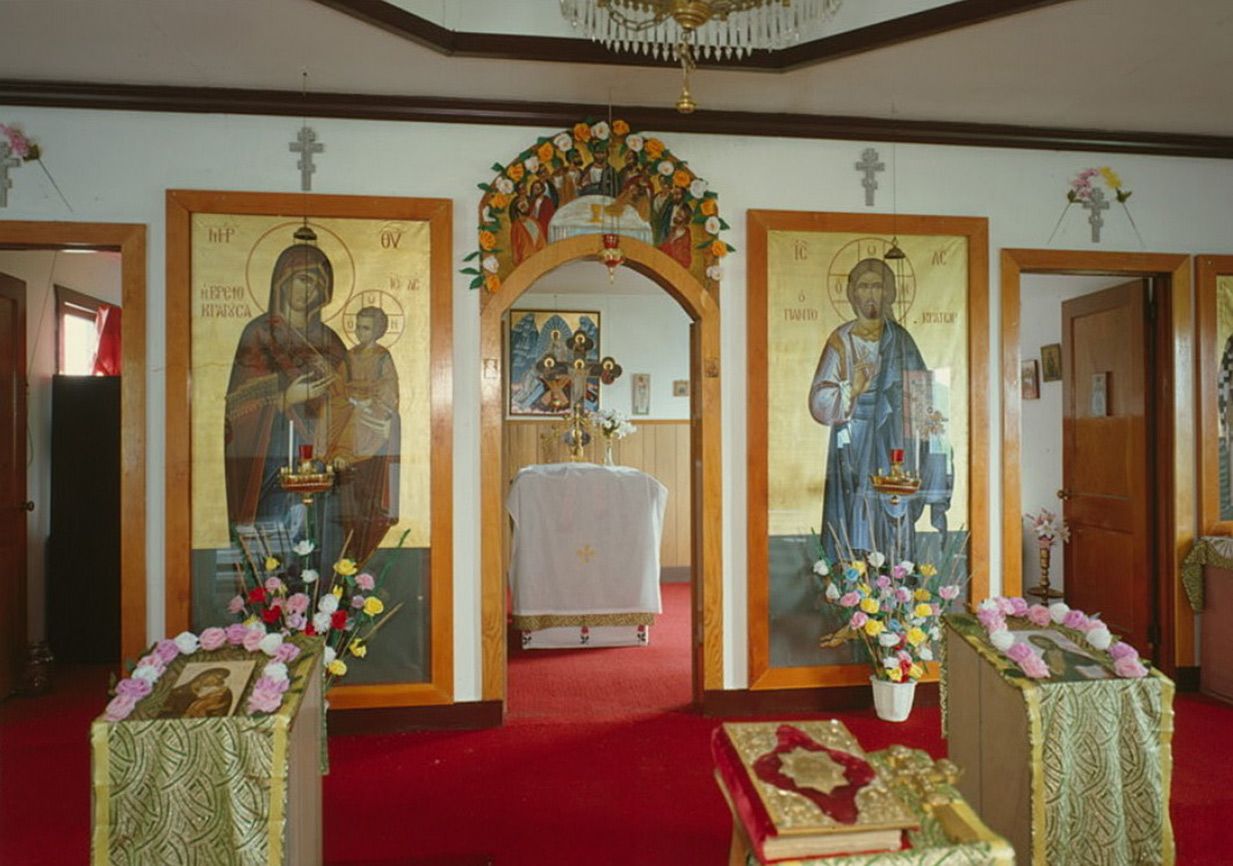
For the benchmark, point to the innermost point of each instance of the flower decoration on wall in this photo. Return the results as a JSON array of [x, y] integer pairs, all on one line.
[[16, 145], [1090, 189], [596, 178]]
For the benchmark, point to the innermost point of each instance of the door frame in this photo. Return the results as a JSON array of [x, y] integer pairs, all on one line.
[[1173, 421], [705, 457], [129, 239]]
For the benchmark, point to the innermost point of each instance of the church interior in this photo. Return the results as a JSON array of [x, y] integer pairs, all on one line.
[[626, 431]]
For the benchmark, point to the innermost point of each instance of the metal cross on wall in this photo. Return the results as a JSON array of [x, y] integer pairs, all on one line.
[[306, 145], [7, 161], [1096, 203], [870, 166]]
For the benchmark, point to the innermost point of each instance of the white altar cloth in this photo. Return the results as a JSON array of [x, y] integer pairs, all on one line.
[[586, 544]]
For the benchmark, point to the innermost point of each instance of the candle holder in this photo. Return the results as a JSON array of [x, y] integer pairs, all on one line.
[[577, 436], [897, 482], [308, 478], [1042, 590]]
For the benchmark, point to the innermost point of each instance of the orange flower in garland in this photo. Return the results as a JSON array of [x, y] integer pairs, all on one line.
[[487, 240], [515, 172], [654, 148], [620, 127], [719, 249], [582, 132], [545, 152], [499, 200], [709, 207], [492, 282], [681, 178]]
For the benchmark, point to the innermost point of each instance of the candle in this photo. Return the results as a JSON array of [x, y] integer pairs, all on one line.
[[896, 455], [306, 451]]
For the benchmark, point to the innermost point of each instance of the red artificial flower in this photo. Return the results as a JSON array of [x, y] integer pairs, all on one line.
[[310, 631], [256, 596], [338, 620], [271, 614]]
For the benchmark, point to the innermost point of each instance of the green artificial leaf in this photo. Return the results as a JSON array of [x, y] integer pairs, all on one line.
[[485, 187], [477, 282], [498, 168], [470, 256], [469, 271]]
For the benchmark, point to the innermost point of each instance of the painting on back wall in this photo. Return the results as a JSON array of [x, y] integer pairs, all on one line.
[[868, 357]]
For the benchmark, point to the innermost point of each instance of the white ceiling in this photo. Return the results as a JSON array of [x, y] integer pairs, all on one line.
[[1118, 65]]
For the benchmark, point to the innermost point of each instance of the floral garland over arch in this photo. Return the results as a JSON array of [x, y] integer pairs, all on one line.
[[596, 178]]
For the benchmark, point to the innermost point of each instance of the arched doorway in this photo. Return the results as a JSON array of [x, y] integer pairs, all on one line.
[[703, 311]]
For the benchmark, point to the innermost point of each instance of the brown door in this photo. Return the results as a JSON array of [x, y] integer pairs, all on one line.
[[1105, 464], [12, 479]]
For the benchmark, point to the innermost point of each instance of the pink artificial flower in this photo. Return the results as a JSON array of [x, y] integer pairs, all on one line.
[[286, 653], [850, 599], [119, 707], [899, 572], [903, 594], [273, 585], [1093, 622], [1121, 650], [264, 701], [296, 621], [991, 619], [949, 592], [1129, 666], [151, 660], [1034, 666], [858, 620], [1005, 608], [1018, 652], [213, 637], [252, 638], [298, 603], [235, 605], [357, 601], [883, 582], [266, 684], [166, 650], [1039, 615], [365, 581], [1075, 619], [1018, 606], [236, 633], [134, 687]]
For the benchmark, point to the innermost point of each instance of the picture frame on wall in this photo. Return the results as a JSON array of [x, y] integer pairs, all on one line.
[[640, 393], [1051, 362], [829, 294], [540, 351], [1214, 347], [1029, 379], [318, 329]]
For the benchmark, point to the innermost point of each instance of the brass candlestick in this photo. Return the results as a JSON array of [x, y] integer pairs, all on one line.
[[897, 482], [1043, 590], [576, 437]]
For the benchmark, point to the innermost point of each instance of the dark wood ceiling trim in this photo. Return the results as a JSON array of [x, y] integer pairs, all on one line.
[[556, 49], [558, 115]]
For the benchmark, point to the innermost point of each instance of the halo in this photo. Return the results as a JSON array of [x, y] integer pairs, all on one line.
[[265, 252], [392, 307], [869, 248]]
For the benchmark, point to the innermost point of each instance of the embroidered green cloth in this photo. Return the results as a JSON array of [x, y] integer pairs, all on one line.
[[1214, 550], [181, 791], [1101, 753]]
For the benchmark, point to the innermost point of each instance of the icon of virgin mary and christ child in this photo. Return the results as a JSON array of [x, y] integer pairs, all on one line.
[[294, 383], [873, 389]]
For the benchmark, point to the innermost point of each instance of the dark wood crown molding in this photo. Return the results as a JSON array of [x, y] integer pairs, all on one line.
[[557, 49], [558, 115]]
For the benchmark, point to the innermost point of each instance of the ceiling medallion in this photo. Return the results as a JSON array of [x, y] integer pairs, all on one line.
[[685, 30]]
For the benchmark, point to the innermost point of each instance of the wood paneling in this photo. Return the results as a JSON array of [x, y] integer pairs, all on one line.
[[1207, 270], [130, 240], [658, 448], [1173, 422]]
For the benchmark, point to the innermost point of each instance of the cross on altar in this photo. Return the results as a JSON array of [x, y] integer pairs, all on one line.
[[7, 161], [870, 166], [306, 145], [1096, 203]]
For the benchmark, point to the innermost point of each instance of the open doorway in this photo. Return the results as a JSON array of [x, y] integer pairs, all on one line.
[[1106, 441]]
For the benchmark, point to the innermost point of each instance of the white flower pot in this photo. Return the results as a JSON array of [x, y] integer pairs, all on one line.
[[892, 701]]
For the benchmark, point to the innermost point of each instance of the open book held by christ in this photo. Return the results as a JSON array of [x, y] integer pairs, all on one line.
[[805, 789]]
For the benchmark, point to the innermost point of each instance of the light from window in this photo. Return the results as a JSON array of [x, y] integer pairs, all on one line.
[[78, 344]]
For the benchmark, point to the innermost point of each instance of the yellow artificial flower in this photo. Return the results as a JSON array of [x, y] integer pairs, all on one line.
[[874, 627], [864, 589], [338, 668], [915, 636], [928, 570], [922, 595], [359, 649], [516, 172], [653, 147], [346, 567], [620, 127], [858, 566], [916, 671], [1111, 177], [251, 621], [337, 591], [870, 605], [923, 610], [896, 674], [373, 605], [271, 563], [545, 152]]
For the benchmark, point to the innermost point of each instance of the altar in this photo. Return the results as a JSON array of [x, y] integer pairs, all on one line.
[[584, 559]]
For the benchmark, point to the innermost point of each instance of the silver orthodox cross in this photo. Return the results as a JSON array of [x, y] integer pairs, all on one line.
[[870, 166], [1096, 203], [306, 145], [7, 161]]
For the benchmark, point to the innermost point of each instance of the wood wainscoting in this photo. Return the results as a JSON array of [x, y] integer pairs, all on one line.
[[658, 448]]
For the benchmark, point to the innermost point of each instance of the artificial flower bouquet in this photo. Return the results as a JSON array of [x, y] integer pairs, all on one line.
[[612, 424], [892, 608], [1047, 527]]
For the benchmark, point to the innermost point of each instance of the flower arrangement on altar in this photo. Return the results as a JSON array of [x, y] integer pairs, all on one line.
[[994, 615], [892, 608], [266, 694], [612, 423]]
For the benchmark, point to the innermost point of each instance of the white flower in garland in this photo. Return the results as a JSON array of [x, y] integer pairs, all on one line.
[[1099, 637], [711, 225], [634, 143], [563, 142], [1058, 611], [149, 673], [491, 264], [186, 642], [697, 188], [601, 131], [531, 163], [715, 272], [277, 671], [1002, 639], [665, 167], [271, 642], [504, 185]]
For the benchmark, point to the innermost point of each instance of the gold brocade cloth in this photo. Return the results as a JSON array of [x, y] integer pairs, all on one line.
[[1101, 761], [1214, 550], [950, 833], [206, 791]]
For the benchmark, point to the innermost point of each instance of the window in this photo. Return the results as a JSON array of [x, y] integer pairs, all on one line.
[[76, 332]]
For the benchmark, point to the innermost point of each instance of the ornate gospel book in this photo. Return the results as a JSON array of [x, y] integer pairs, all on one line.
[[805, 789]]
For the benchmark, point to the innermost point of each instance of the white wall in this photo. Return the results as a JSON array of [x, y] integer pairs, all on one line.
[[94, 274], [115, 166], [1040, 447]]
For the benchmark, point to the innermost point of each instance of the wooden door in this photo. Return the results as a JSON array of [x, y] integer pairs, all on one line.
[[1106, 470], [12, 479]]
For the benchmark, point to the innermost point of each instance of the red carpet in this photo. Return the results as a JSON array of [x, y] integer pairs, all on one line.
[[598, 764]]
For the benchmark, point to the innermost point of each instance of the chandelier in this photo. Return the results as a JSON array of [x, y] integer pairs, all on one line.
[[685, 30]]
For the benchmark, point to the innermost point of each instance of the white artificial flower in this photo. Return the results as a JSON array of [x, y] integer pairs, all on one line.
[[907, 565], [832, 591], [634, 142], [888, 638], [491, 265], [1099, 638], [149, 673], [277, 671], [711, 225], [665, 167], [926, 654], [934, 633], [328, 603], [1058, 611], [330, 654], [697, 188], [486, 215], [890, 663], [309, 575], [563, 142], [321, 622], [270, 643], [601, 131], [876, 559], [1002, 639], [988, 604], [504, 185], [531, 163], [820, 567], [186, 642], [715, 272], [304, 547]]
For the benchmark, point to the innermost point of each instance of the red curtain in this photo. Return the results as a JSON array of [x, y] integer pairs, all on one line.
[[107, 356]]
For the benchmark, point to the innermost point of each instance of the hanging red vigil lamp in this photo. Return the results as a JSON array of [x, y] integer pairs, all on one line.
[[611, 254]]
